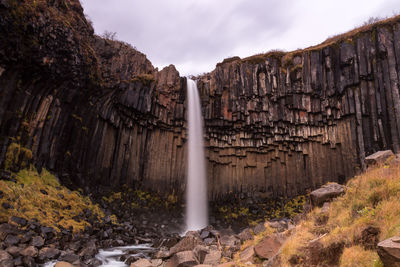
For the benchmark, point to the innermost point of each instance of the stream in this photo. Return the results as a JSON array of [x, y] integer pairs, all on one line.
[[111, 257]]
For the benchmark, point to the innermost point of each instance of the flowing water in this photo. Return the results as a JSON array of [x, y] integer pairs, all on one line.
[[196, 191], [111, 257]]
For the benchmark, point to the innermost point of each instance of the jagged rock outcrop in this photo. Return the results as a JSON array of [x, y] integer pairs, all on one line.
[[98, 113]]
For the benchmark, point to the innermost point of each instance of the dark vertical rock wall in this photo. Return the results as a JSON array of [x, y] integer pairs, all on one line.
[[282, 123], [98, 113]]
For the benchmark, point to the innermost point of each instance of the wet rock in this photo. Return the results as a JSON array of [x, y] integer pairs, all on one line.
[[70, 257], [247, 255], [162, 253], [48, 253], [37, 241], [63, 264], [204, 234], [30, 251], [142, 263], [11, 240], [156, 262], [378, 157], [326, 193], [389, 251], [269, 246], [89, 250], [183, 259]]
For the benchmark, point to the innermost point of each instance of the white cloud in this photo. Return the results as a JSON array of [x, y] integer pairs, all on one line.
[[196, 34]]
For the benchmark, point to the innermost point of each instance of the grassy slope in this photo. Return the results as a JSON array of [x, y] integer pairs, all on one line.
[[371, 200], [58, 208]]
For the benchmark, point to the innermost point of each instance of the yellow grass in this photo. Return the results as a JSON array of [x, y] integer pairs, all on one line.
[[371, 199], [56, 209]]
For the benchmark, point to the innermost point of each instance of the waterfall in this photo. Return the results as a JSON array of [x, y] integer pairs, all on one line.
[[196, 188]]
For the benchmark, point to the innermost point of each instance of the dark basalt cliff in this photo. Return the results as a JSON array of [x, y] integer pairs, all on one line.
[[97, 112]]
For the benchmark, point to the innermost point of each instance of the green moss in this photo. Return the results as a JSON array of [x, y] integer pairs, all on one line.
[[17, 156], [146, 79], [55, 209]]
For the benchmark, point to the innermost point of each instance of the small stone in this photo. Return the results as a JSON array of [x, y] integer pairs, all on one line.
[[245, 235], [30, 251], [44, 192], [28, 261], [259, 228], [7, 263], [6, 206], [5, 256], [213, 257], [37, 241], [48, 253], [19, 220], [14, 251], [11, 240]]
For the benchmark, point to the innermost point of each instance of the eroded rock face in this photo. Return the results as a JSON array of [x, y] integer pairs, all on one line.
[[98, 113]]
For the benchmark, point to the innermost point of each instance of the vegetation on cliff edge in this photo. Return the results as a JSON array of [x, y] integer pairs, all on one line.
[[347, 233]]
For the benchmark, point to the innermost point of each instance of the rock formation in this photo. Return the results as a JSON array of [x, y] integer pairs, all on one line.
[[97, 112]]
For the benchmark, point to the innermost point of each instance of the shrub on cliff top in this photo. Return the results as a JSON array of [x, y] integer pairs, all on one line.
[[41, 197]]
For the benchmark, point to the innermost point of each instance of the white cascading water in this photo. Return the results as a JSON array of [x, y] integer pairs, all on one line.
[[196, 191]]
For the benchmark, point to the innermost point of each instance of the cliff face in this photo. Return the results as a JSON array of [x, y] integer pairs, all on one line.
[[98, 113], [283, 123], [93, 110]]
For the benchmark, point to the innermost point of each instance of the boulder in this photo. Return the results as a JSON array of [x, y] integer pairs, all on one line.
[[63, 264], [7, 263], [48, 253], [11, 240], [156, 262], [269, 246], [37, 241], [200, 251], [183, 259], [189, 242], [4, 255], [247, 255], [14, 251], [230, 241], [389, 251], [213, 257], [326, 193], [259, 228], [245, 235], [378, 157], [142, 263], [30, 251]]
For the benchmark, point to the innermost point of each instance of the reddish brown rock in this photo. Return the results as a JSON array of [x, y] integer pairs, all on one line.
[[269, 246]]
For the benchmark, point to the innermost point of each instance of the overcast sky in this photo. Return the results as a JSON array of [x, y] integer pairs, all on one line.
[[194, 35]]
